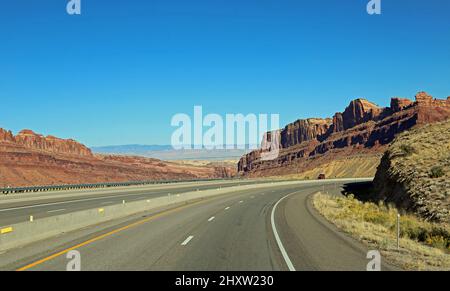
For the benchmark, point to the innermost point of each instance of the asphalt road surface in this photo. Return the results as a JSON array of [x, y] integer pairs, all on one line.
[[12, 211], [273, 228]]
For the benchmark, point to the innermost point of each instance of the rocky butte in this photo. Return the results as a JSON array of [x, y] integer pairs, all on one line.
[[350, 144], [30, 159]]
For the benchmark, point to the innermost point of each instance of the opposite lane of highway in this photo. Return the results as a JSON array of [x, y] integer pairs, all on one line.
[[12, 211]]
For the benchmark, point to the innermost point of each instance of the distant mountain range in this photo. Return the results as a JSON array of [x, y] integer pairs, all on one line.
[[166, 152], [132, 148]]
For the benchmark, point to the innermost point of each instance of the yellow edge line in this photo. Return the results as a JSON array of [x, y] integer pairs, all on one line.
[[29, 266]]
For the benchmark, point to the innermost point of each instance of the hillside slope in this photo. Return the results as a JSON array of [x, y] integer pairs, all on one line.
[[415, 172]]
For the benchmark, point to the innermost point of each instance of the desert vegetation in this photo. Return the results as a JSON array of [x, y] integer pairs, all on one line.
[[415, 172], [424, 245]]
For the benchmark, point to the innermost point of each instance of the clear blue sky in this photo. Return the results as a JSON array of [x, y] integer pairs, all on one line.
[[117, 73]]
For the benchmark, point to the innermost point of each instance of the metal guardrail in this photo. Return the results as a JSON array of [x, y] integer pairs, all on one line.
[[49, 188]]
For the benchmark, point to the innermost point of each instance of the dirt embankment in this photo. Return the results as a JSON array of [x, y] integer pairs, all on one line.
[[415, 172]]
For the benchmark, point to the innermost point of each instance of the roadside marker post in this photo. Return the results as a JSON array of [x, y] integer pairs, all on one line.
[[398, 232], [31, 218]]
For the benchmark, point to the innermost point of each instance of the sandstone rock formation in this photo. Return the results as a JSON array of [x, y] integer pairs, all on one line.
[[30, 159], [31, 140], [363, 129], [415, 172]]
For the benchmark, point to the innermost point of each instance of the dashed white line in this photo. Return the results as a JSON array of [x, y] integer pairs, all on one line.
[[187, 240], [241, 201], [57, 210], [211, 219], [227, 208]]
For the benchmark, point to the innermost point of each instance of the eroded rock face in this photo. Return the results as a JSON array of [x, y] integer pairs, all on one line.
[[31, 159], [399, 104], [363, 127], [360, 111], [6, 136], [304, 130], [31, 140]]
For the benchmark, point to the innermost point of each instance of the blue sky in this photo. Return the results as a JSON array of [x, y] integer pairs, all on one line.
[[120, 71]]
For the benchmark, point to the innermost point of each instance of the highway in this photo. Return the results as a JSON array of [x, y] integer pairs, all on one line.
[[18, 208], [272, 228]]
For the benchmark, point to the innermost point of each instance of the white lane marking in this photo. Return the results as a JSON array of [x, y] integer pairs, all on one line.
[[227, 208], [187, 240], [277, 237], [241, 201], [162, 194], [57, 210], [211, 219]]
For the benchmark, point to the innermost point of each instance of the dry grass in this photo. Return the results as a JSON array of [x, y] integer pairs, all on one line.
[[423, 245], [350, 167], [420, 160]]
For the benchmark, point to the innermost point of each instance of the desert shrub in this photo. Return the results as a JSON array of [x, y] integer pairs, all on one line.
[[378, 217], [407, 149], [411, 227], [437, 172], [438, 242], [424, 232]]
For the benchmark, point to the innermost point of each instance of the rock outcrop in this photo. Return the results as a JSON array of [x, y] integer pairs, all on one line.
[[304, 130], [414, 173], [51, 144], [362, 129], [30, 159]]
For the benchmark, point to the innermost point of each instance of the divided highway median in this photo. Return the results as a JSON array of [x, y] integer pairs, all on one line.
[[20, 234]]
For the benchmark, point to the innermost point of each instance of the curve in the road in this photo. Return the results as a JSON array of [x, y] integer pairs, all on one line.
[[242, 231]]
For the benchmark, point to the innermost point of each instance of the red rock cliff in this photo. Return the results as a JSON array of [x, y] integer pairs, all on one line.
[[30, 140], [362, 127], [31, 159]]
